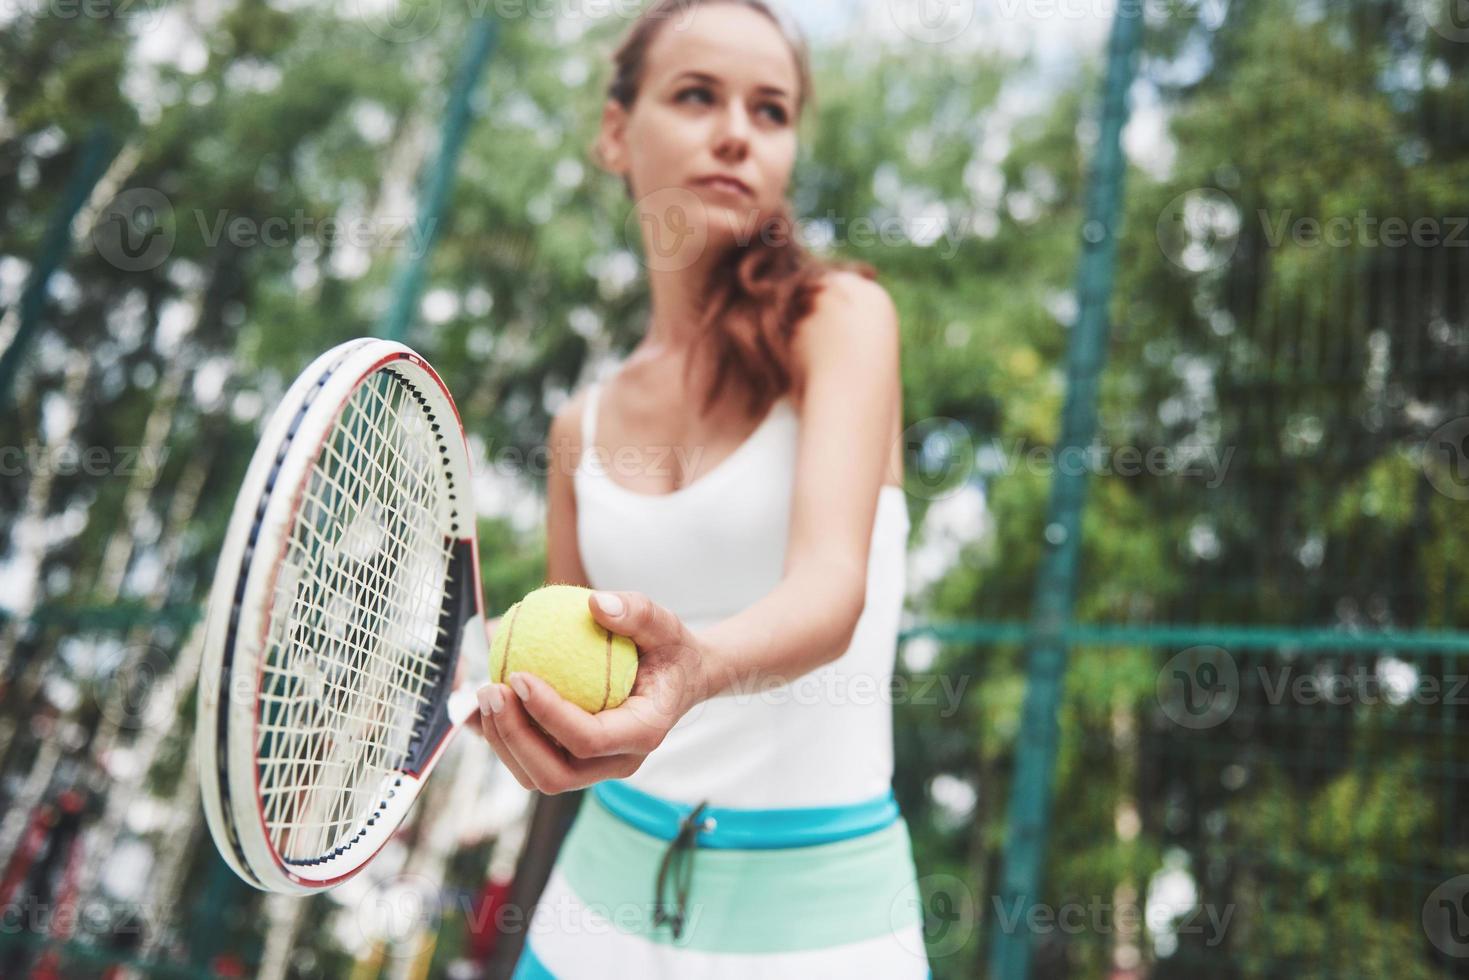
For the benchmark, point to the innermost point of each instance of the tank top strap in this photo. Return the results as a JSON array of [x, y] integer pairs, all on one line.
[[589, 416]]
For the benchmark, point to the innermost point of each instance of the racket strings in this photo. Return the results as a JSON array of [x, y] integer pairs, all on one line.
[[356, 646]]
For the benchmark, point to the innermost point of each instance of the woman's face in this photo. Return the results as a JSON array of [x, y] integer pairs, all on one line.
[[710, 141]]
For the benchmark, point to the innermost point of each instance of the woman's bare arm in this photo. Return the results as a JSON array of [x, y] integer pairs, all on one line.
[[847, 353], [563, 558], [563, 443]]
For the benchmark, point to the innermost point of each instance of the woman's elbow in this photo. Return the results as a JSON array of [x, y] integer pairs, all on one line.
[[851, 605]]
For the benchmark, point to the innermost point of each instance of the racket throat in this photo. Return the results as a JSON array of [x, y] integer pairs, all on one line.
[[462, 632]]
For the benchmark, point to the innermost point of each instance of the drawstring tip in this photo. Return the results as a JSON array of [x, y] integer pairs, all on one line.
[[661, 916], [680, 852]]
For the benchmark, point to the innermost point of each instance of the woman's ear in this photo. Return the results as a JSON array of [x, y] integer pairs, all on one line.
[[610, 146]]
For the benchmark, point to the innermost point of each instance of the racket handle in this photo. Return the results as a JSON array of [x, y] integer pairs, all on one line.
[[463, 705], [474, 664]]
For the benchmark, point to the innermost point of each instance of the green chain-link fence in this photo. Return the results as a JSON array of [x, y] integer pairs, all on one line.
[[1272, 784]]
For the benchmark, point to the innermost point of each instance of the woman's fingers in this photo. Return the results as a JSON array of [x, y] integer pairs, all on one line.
[[548, 767], [640, 619], [492, 734], [584, 735]]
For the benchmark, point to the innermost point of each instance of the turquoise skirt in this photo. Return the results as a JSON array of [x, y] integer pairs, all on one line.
[[649, 888]]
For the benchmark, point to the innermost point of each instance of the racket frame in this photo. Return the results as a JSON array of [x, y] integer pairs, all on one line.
[[239, 618]]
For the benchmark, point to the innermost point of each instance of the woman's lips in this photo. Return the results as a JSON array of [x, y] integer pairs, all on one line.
[[728, 185]]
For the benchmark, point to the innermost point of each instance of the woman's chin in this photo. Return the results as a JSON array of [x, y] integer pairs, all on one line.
[[733, 225]]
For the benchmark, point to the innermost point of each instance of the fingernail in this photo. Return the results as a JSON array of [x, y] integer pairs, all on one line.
[[611, 604], [522, 689], [490, 699]]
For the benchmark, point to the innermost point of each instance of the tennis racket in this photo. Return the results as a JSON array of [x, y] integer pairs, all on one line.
[[347, 589]]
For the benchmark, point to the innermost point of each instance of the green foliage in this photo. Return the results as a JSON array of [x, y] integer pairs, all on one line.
[[1311, 372]]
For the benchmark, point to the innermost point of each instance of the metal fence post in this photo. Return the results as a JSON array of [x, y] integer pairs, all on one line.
[[438, 180], [1029, 811]]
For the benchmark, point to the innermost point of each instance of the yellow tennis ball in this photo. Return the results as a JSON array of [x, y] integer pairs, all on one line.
[[551, 633]]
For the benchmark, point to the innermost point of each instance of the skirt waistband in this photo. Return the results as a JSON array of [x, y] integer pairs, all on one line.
[[736, 828]]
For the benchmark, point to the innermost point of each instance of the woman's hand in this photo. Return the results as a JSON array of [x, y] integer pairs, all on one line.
[[554, 746]]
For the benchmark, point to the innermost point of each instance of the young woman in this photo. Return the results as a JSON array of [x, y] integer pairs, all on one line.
[[733, 491]]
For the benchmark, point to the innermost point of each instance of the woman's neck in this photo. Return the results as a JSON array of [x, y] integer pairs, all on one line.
[[677, 300]]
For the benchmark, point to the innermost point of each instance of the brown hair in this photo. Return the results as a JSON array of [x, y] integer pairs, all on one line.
[[757, 294]]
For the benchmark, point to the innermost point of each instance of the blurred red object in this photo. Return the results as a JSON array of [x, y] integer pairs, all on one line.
[[484, 917]]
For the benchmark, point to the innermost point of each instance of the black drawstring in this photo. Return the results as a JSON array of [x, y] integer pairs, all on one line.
[[682, 849]]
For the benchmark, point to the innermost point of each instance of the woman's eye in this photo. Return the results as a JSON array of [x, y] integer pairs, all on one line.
[[703, 93], [777, 113]]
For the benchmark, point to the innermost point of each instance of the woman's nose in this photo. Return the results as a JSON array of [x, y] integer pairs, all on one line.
[[733, 137]]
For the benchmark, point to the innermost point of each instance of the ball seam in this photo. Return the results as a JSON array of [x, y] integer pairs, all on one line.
[[509, 639], [607, 680]]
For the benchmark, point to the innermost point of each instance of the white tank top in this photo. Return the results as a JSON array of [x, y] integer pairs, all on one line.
[[710, 549]]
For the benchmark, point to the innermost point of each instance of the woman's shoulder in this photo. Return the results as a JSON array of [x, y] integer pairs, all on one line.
[[851, 287], [849, 306], [849, 310]]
